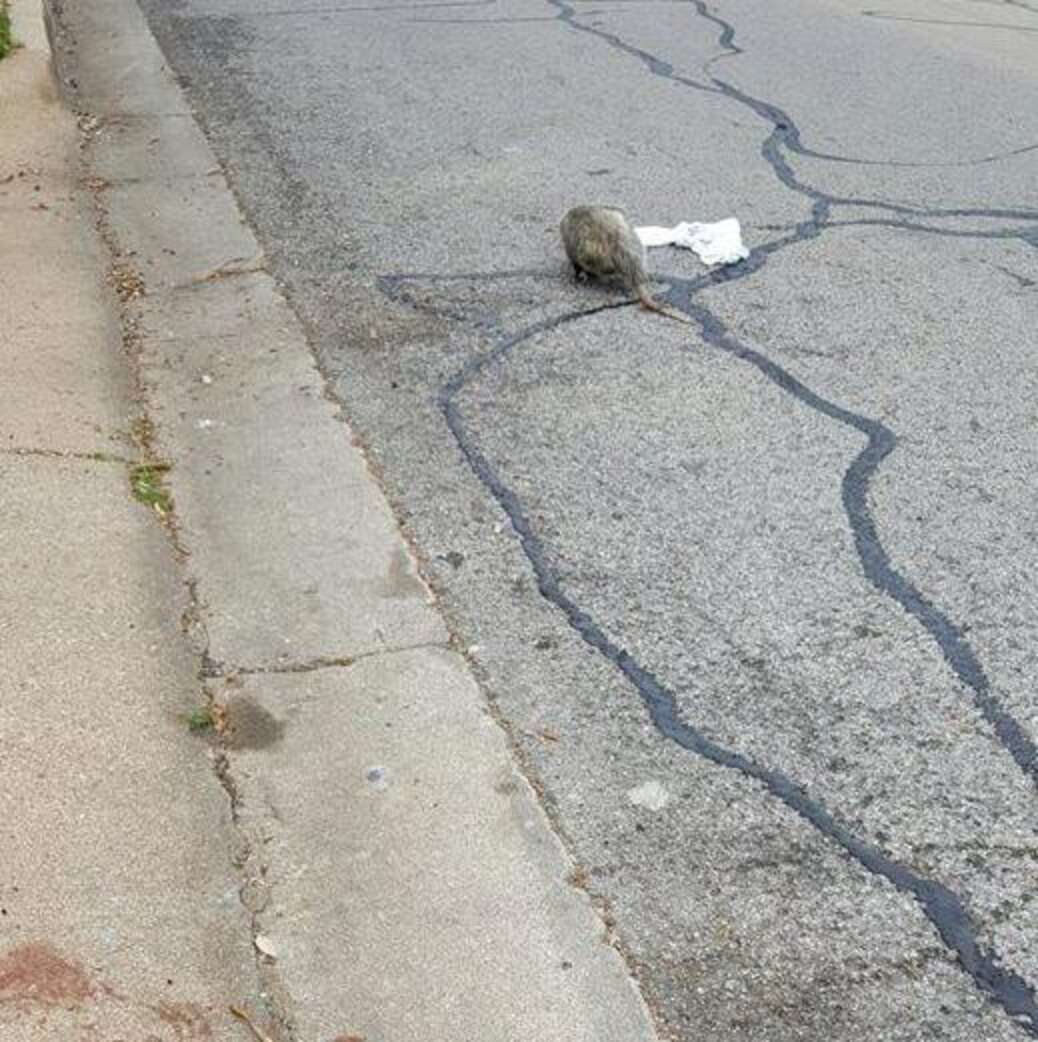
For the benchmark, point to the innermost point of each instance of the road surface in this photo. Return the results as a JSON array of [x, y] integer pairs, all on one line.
[[756, 600]]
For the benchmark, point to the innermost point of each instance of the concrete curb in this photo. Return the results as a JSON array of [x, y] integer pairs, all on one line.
[[402, 880]]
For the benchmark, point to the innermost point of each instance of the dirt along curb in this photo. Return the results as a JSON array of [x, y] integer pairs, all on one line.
[[400, 878]]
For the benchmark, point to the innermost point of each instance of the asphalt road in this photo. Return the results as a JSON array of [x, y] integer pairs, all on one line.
[[757, 600]]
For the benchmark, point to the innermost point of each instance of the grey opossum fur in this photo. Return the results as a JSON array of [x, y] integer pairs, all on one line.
[[600, 241]]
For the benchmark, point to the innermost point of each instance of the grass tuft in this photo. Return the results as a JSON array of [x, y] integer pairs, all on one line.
[[200, 719], [149, 488], [6, 40]]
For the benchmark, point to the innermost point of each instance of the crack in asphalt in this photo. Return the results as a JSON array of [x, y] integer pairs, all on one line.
[[875, 560], [1020, 5], [997, 157], [943, 907], [726, 40], [480, 21], [1023, 234], [785, 127], [944, 21], [366, 8], [1021, 280], [881, 441]]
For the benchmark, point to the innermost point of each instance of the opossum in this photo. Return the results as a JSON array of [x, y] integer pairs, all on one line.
[[600, 241]]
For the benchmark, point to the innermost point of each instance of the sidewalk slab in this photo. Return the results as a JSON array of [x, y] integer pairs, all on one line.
[[66, 382], [296, 553], [154, 146], [415, 891], [120, 915], [126, 73], [175, 230], [120, 908]]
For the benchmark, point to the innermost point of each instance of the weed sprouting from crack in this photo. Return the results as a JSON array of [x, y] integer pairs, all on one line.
[[7, 43], [201, 718], [149, 487]]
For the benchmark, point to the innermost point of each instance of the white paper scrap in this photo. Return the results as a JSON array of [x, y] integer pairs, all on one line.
[[717, 243]]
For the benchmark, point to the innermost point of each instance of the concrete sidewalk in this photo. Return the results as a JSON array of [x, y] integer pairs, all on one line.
[[354, 853], [119, 908]]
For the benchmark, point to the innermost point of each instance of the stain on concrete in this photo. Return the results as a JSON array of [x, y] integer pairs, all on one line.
[[35, 972], [401, 581], [187, 1019], [39, 985], [250, 726]]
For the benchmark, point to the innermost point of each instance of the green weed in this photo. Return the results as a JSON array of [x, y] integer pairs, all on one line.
[[149, 488], [200, 719], [6, 40]]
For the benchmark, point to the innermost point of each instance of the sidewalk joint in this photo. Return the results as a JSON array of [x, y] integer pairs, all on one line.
[[85, 457], [217, 671]]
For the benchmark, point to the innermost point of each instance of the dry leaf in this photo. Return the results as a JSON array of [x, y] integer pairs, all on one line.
[[243, 1016]]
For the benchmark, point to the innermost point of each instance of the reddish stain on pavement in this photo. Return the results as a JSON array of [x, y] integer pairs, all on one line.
[[37, 973], [187, 1019]]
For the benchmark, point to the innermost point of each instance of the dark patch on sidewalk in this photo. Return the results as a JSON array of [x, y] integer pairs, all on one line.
[[35, 972], [250, 726]]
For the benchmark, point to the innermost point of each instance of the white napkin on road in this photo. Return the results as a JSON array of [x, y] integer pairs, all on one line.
[[719, 243]]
